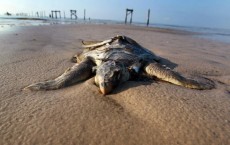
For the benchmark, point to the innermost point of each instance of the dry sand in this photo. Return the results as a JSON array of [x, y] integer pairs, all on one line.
[[143, 113]]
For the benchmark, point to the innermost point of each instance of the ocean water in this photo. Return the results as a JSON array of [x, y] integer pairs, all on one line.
[[215, 34]]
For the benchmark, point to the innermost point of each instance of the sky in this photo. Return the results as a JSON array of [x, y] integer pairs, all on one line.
[[198, 13]]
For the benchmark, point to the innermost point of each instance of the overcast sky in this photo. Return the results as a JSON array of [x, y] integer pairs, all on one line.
[[203, 13]]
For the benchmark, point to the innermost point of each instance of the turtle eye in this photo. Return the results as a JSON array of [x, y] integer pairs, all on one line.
[[103, 84], [116, 74]]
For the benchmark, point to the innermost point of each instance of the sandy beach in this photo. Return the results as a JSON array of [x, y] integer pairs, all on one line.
[[136, 113]]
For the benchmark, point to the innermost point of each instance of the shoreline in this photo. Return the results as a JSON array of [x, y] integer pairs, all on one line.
[[214, 34], [151, 112]]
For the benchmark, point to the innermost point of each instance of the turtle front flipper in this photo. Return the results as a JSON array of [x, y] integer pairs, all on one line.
[[76, 73], [165, 74]]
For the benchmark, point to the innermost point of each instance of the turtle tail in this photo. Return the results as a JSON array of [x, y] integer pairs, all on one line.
[[166, 74], [76, 73]]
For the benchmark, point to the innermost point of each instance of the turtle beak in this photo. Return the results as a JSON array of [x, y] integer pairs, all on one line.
[[105, 88], [103, 91]]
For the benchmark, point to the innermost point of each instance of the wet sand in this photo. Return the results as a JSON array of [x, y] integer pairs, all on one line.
[[141, 112]]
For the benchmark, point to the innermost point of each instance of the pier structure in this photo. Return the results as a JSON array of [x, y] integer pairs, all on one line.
[[73, 13], [56, 13], [128, 12]]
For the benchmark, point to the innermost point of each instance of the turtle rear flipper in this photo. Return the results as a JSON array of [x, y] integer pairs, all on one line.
[[88, 44], [76, 73], [166, 74], [85, 43]]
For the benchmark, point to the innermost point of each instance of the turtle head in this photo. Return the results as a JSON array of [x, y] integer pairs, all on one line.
[[108, 76]]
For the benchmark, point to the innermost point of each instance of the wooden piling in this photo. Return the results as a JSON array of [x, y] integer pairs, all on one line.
[[131, 19], [84, 14], [37, 14], [125, 18], [148, 17]]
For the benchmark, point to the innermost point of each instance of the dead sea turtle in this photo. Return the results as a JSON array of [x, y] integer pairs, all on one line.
[[113, 62]]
